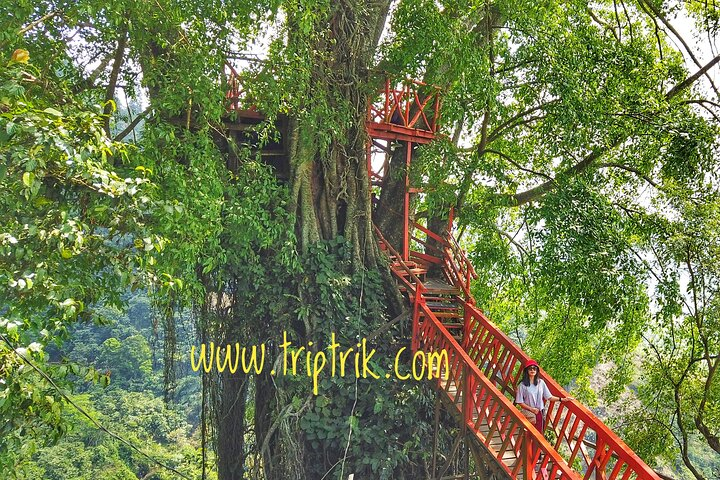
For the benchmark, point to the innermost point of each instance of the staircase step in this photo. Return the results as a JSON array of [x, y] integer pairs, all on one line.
[[435, 286], [415, 271], [445, 305], [441, 301], [447, 314], [453, 325], [408, 263]]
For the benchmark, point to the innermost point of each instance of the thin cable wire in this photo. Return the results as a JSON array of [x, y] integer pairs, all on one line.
[[352, 410], [87, 415]]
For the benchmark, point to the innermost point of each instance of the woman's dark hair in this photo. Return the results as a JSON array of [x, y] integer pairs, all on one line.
[[526, 377]]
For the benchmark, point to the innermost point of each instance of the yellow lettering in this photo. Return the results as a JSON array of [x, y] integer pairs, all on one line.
[[442, 363], [206, 363], [318, 368], [420, 354], [307, 360], [366, 360], [333, 346], [343, 357], [295, 355], [285, 346], [227, 362], [246, 367], [397, 362]]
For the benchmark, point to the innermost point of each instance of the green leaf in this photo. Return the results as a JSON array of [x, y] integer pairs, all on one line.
[[12, 329], [28, 178]]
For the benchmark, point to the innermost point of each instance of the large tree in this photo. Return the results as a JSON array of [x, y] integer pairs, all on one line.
[[573, 130]]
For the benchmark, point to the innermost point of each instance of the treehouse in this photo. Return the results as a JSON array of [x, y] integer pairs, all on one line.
[[484, 365], [243, 121]]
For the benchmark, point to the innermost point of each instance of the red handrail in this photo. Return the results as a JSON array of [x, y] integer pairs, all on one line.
[[459, 271], [405, 107], [234, 92], [483, 405], [412, 283], [576, 426], [487, 368]]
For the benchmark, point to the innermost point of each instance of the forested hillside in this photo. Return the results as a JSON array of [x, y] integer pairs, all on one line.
[[176, 173], [130, 404]]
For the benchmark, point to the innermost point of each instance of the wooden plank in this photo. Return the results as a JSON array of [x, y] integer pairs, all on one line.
[[436, 286]]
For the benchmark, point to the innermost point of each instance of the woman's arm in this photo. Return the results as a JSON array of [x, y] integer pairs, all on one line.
[[559, 399], [549, 396], [528, 407]]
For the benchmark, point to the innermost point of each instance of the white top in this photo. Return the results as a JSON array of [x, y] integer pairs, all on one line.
[[534, 395]]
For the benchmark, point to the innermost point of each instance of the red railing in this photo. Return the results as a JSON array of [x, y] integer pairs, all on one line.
[[236, 96], [402, 271], [414, 105], [581, 437], [445, 250], [433, 245], [234, 92], [405, 275], [483, 373], [485, 410], [458, 269], [504, 432]]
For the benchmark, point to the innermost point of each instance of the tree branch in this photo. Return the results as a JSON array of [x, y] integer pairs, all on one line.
[[702, 103], [37, 22], [535, 193], [509, 68], [684, 445], [603, 23], [517, 165], [692, 79], [467, 181], [629, 21], [89, 82], [513, 121], [519, 247], [669, 26], [110, 91], [132, 125], [657, 27], [631, 170], [617, 20], [712, 440]]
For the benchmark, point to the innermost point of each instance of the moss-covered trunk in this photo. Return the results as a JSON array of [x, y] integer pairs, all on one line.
[[329, 199]]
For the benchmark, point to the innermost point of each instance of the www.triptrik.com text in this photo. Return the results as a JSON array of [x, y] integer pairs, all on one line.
[[337, 361]]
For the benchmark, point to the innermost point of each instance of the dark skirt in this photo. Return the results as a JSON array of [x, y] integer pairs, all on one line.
[[540, 422]]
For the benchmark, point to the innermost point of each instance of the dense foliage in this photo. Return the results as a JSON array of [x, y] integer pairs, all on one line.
[[580, 154], [132, 406]]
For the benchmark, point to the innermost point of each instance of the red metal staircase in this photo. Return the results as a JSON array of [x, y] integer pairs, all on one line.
[[485, 366]]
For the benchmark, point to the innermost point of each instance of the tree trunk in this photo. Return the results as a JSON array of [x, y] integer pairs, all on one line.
[[231, 426], [389, 212], [329, 198]]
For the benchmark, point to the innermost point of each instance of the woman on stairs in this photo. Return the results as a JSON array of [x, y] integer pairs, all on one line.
[[531, 395]]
